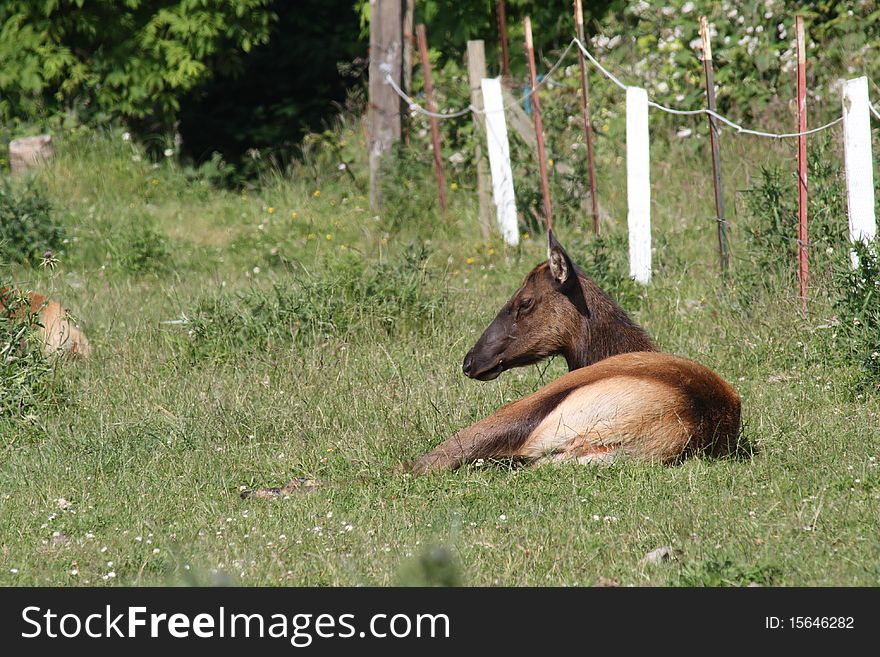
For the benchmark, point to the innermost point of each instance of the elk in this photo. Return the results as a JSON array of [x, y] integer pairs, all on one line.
[[621, 396], [54, 324]]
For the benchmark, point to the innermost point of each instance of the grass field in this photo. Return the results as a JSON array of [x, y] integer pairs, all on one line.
[[318, 339]]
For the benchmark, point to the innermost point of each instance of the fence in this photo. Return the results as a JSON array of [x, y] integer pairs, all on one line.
[[858, 157]]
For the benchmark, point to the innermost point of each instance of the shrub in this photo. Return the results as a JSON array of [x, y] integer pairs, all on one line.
[[25, 373], [139, 247], [307, 308], [772, 218], [857, 304], [27, 228]]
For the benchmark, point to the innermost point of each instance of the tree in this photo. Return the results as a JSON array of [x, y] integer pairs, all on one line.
[[129, 58]]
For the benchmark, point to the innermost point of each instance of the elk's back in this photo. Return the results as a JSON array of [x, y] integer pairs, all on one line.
[[56, 329], [648, 405]]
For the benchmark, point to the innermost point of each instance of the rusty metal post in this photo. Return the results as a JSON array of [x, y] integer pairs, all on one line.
[[539, 126]]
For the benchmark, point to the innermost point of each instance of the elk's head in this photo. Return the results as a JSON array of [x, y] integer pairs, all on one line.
[[539, 320]]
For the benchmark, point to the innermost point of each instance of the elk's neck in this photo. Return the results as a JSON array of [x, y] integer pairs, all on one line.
[[603, 329]]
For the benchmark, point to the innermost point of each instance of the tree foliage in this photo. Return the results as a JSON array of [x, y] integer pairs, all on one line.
[[131, 58]]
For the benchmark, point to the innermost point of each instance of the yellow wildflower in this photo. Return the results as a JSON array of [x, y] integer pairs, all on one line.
[[312, 236], [271, 210], [317, 193], [470, 261], [294, 215], [328, 237], [454, 186], [526, 236], [491, 252]]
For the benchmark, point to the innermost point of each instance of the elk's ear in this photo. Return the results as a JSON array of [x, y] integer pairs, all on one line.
[[561, 266]]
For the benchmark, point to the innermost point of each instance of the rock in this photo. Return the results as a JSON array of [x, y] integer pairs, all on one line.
[[658, 556], [297, 485], [29, 152]]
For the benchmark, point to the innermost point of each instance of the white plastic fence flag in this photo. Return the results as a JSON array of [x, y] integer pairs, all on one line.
[[859, 163], [638, 184], [499, 160]]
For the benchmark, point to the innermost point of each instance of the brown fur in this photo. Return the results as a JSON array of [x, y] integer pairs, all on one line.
[[694, 411], [548, 315], [621, 397], [56, 328]]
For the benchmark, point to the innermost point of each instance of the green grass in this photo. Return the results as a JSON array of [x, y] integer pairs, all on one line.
[[339, 358]]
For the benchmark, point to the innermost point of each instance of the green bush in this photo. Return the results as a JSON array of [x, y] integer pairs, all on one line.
[[139, 247], [654, 45], [308, 308], [857, 304], [771, 222], [25, 373], [27, 227]]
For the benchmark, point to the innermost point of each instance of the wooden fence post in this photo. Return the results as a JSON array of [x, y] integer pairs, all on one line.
[[803, 233], [435, 124], [723, 251], [585, 111], [476, 64], [385, 106], [539, 126], [501, 15], [859, 163], [408, 40], [638, 184]]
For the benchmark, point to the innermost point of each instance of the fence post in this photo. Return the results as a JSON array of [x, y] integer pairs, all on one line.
[[499, 160], [638, 184], [435, 124], [408, 39], [859, 163], [385, 107], [585, 110], [803, 234], [539, 126], [501, 15], [476, 64], [723, 251]]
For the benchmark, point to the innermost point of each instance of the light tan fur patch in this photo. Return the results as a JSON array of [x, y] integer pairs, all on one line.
[[618, 414], [59, 333]]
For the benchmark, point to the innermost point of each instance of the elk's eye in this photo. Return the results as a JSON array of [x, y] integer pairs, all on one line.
[[524, 304]]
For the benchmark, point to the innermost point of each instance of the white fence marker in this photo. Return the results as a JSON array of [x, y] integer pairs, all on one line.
[[859, 163], [638, 184], [499, 160]]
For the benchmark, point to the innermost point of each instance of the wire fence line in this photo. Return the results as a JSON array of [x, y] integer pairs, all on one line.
[[413, 105], [546, 79]]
